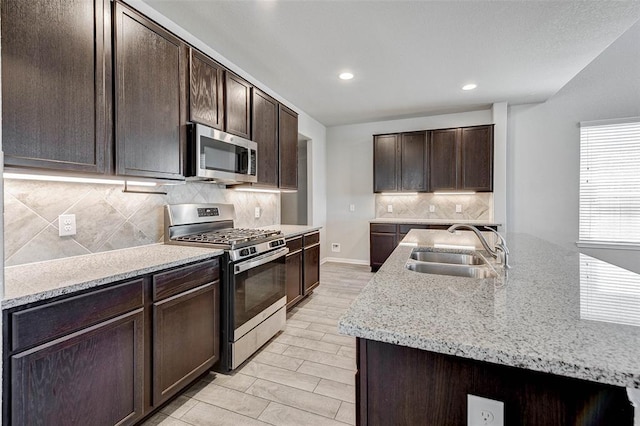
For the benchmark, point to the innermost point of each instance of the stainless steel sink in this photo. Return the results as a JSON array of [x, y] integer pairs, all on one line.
[[469, 271], [430, 261], [446, 257]]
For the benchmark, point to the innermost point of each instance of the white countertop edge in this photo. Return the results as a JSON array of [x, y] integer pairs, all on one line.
[[552, 366]]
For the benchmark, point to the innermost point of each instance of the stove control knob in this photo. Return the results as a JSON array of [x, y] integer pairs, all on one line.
[[253, 250], [244, 252]]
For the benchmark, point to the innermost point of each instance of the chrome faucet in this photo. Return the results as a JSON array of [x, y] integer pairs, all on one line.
[[500, 250]]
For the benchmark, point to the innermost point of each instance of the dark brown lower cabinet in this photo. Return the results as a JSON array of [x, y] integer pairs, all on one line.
[[185, 339], [294, 267], [401, 385], [91, 377], [113, 355], [303, 267]]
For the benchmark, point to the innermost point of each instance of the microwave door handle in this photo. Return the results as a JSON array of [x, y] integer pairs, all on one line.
[[260, 260]]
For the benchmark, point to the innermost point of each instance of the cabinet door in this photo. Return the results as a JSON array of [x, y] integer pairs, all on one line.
[[386, 163], [237, 96], [150, 97], [186, 343], [443, 155], [265, 134], [413, 148], [311, 274], [206, 88], [293, 263], [288, 148], [381, 247], [91, 377], [56, 95], [476, 157]]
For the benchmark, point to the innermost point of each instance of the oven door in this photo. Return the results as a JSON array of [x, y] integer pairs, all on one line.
[[258, 290]]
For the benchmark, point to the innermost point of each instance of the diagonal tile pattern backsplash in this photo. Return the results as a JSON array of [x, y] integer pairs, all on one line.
[[474, 206], [107, 218]]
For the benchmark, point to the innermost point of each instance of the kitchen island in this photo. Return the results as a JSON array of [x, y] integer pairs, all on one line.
[[526, 340]]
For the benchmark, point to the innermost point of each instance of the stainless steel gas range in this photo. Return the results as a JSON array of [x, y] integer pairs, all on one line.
[[253, 275]]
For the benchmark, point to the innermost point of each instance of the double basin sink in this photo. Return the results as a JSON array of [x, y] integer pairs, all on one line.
[[459, 264]]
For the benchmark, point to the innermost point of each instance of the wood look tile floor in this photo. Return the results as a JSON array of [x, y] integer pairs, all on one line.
[[303, 376]]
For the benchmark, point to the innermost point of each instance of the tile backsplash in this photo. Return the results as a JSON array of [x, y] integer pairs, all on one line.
[[477, 206], [107, 218]]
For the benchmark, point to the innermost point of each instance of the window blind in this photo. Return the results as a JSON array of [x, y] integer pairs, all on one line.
[[608, 293], [610, 181]]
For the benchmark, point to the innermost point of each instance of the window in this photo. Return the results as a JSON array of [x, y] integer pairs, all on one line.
[[610, 182]]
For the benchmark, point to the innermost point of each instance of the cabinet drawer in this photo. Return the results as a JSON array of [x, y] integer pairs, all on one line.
[[294, 244], [311, 239], [46, 322], [389, 228], [182, 279]]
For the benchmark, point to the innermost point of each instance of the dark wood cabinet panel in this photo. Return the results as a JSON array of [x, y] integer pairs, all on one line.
[[186, 330], [401, 385], [443, 159], [461, 159], [181, 279], [288, 148], [476, 159], [56, 84], [413, 161], [237, 98], [386, 163], [311, 268], [294, 267], [42, 323], [150, 101], [381, 246], [93, 377], [206, 89], [265, 133]]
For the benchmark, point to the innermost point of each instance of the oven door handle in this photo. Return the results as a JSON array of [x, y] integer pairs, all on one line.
[[260, 260]]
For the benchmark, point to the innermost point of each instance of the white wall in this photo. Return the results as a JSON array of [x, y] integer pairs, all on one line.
[[544, 144], [350, 176]]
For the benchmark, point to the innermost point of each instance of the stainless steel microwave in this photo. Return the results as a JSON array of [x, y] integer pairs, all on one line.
[[221, 157]]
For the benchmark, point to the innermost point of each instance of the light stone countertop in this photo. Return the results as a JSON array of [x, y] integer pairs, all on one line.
[[434, 221], [532, 321], [44, 280], [290, 231]]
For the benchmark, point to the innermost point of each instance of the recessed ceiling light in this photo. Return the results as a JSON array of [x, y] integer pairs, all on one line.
[[470, 86], [346, 76]]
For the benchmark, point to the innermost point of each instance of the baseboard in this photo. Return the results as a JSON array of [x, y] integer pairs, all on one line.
[[343, 260]]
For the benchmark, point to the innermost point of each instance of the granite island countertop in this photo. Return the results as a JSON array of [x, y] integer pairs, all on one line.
[[434, 221], [531, 320], [33, 282]]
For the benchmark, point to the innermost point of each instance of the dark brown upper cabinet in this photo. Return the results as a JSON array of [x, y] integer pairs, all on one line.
[[265, 134], [461, 159], [237, 96], [150, 97], [56, 87], [206, 90], [400, 162], [288, 148]]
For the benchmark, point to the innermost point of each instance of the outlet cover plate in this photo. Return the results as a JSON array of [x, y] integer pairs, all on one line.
[[66, 225], [484, 411]]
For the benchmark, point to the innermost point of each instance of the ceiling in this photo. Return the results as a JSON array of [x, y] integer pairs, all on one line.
[[410, 58]]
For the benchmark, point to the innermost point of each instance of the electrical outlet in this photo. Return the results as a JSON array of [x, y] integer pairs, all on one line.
[[389, 208], [484, 411], [458, 208], [257, 212], [432, 208], [352, 207], [335, 247], [66, 225]]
